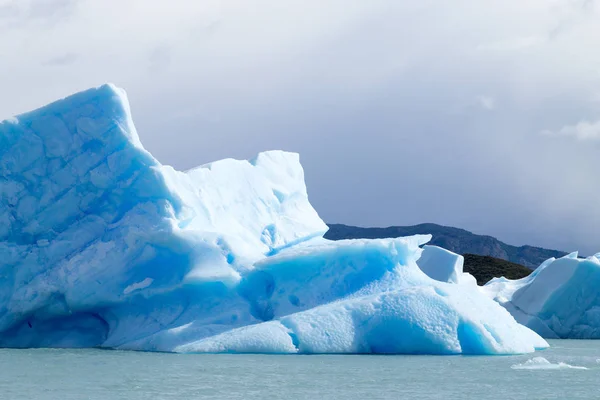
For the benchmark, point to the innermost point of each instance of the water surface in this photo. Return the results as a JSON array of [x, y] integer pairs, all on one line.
[[108, 375]]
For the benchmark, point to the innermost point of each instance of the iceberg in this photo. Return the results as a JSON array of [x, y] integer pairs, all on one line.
[[103, 246], [560, 299]]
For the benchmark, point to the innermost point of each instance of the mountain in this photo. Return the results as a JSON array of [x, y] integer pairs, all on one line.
[[454, 239]]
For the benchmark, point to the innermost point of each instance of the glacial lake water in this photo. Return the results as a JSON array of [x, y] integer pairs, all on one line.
[[43, 374]]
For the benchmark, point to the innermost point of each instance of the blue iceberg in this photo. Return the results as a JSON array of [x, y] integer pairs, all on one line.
[[103, 246], [560, 299]]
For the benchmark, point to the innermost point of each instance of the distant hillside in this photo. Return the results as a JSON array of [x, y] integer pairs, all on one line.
[[454, 239], [484, 268]]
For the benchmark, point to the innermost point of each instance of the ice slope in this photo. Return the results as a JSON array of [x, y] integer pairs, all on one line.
[[102, 246], [560, 299]]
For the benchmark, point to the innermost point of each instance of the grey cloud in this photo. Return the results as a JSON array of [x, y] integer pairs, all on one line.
[[380, 99], [586, 5], [62, 60], [577, 10], [9, 11], [486, 102], [512, 44], [19, 13], [159, 58], [584, 130], [50, 9]]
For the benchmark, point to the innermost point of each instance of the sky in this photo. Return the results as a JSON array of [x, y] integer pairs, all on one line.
[[484, 115]]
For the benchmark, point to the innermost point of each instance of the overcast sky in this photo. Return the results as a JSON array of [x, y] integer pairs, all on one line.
[[483, 115]]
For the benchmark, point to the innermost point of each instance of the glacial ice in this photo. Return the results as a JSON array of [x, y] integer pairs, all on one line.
[[103, 246], [560, 299], [540, 363], [444, 266]]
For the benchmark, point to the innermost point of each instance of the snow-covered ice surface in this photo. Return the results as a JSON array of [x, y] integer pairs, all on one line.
[[102, 246], [560, 299]]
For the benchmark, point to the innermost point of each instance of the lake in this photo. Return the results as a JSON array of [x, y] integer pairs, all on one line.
[[43, 374]]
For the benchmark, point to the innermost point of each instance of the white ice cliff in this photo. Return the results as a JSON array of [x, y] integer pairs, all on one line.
[[560, 299], [102, 246]]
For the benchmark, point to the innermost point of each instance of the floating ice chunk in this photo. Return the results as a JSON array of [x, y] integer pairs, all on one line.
[[540, 363]]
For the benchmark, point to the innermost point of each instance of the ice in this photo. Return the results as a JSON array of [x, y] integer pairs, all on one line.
[[418, 320], [558, 300], [103, 246], [444, 266], [540, 363], [392, 310]]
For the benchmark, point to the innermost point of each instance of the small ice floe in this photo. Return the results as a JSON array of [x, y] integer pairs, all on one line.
[[542, 363]]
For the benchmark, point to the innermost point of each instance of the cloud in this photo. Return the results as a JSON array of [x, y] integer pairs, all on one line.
[[512, 44], [22, 13], [50, 9], [574, 12], [486, 102], [366, 85], [159, 58], [8, 10], [62, 60], [584, 130]]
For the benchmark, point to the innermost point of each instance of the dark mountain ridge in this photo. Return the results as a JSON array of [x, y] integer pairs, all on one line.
[[454, 239]]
